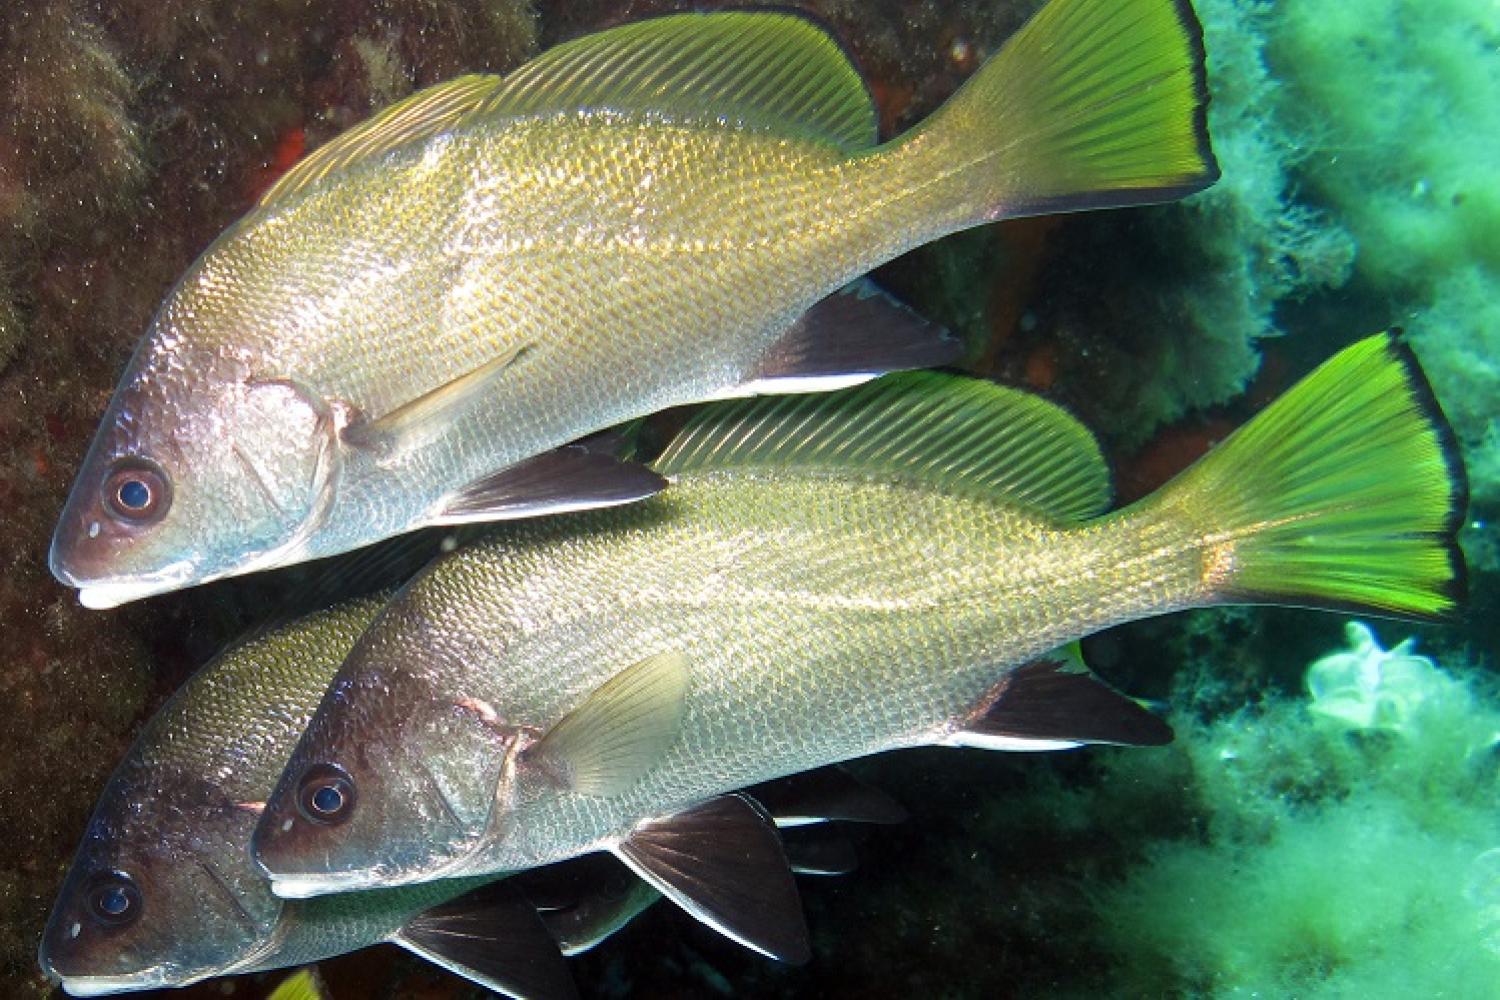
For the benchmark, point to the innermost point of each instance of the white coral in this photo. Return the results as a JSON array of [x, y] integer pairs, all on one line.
[[1366, 687]]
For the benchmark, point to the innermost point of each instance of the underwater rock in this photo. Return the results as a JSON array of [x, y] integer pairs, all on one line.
[[69, 152], [1398, 104], [175, 113], [129, 135]]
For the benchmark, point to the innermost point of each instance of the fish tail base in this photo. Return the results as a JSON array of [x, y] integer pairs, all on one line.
[[1092, 104], [1346, 493]]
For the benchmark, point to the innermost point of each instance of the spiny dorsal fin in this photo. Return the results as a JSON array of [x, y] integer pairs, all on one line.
[[775, 70], [425, 113], [958, 433]]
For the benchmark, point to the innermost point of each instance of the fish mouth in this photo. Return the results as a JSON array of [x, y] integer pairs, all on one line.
[[307, 886], [103, 596], [97, 986], [304, 885]]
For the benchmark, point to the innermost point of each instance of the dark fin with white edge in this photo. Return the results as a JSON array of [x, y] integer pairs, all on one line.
[[722, 861], [423, 114], [585, 900], [962, 435], [619, 732], [820, 851], [559, 886], [494, 937], [825, 795], [770, 70], [855, 334], [565, 479], [1049, 704], [416, 422]]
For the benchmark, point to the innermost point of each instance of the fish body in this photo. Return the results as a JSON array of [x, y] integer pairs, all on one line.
[[168, 848], [162, 891], [497, 267], [828, 578]]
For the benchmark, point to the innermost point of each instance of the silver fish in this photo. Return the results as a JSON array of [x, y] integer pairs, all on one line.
[[412, 323], [163, 893], [829, 577]]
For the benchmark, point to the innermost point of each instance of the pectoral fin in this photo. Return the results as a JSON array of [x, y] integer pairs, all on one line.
[[826, 795], [1050, 704], [820, 850], [417, 421], [620, 732], [569, 478], [850, 337], [492, 936], [722, 861], [585, 900]]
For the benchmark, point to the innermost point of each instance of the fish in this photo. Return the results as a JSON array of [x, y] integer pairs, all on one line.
[[826, 578], [417, 322], [163, 893]]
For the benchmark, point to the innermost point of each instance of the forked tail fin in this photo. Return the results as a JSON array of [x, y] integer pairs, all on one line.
[[1092, 104], [1346, 492]]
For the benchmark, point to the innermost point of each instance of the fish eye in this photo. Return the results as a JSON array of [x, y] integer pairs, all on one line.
[[137, 491], [325, 795], [113, 899]]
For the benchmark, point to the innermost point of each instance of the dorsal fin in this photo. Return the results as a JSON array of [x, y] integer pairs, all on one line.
[[776, 70], [962, 434], [425, 113]]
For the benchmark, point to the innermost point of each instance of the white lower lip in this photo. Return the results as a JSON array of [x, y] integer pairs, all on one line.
[[305, 886], [106, 597], [98, 986], [102, 596]]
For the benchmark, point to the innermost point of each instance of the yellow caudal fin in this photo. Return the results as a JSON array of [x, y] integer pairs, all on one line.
[[1092, 104], [1346, 492]]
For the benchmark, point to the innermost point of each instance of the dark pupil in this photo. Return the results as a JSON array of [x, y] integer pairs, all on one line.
[[134, 494], [327, 799], [113, 901]]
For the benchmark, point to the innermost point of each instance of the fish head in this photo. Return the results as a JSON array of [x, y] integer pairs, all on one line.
[[205, 466], [393, 782], [161, 892]]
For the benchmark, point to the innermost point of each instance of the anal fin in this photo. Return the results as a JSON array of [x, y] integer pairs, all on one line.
[[492, 936], [820, 850], [566, 479], [825, 795], [722, 861], [852, 336], [1050, 704], [585, 900]]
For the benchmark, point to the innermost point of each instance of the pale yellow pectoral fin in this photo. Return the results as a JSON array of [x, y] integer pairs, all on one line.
[[1054, 703], [621, 731], [417, 421]]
